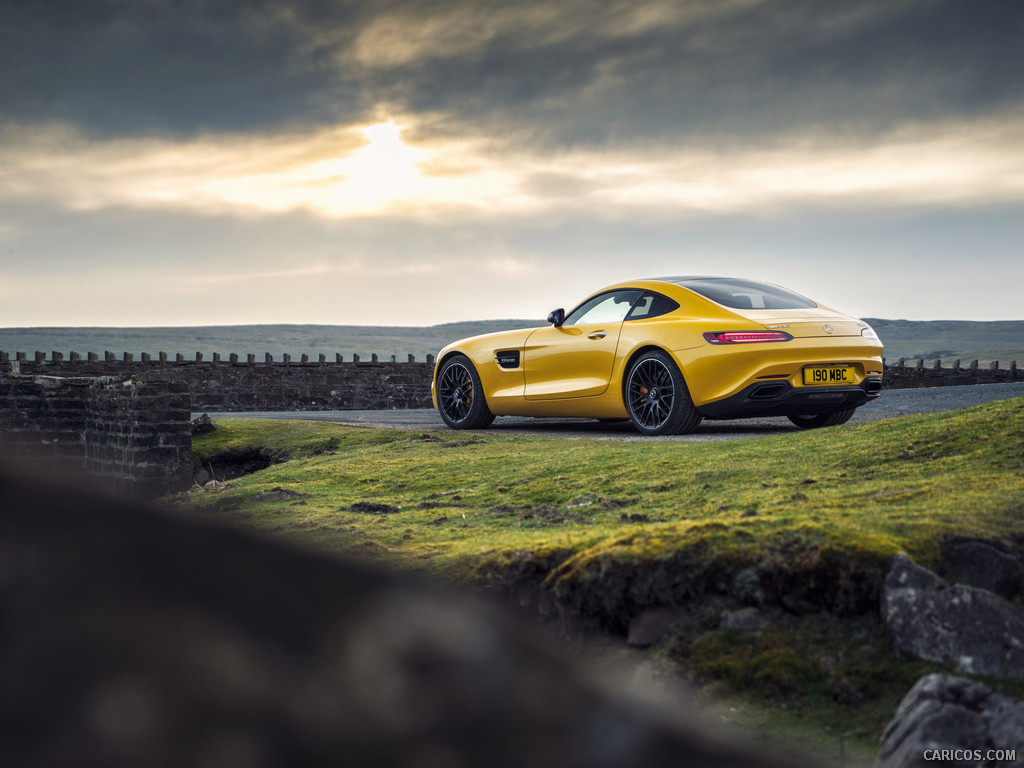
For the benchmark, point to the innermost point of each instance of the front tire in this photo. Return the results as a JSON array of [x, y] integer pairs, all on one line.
[[657, 398], [460, 396], [833, 419]]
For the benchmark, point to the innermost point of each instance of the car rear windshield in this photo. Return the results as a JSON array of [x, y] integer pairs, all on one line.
[[747, 294]]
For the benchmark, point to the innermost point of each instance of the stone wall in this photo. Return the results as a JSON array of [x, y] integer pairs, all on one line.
[[237, 384], [904, 376], [129, 436], [268, 385]]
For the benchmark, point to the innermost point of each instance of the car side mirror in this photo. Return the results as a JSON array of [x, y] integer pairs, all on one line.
[[557, 317]]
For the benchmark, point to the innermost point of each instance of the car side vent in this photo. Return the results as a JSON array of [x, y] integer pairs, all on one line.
[[508, 358]]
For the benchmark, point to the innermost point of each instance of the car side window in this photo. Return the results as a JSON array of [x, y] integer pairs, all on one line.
[[652, 305], [609, 307]]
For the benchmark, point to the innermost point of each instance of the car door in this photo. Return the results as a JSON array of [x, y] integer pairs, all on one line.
[[575, 359]]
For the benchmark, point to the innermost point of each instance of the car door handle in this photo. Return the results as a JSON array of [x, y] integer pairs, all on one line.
[[598, 335]]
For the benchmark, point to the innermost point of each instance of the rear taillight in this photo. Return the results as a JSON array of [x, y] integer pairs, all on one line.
[[745, 337]]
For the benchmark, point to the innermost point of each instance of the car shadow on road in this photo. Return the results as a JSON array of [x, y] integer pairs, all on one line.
[[623, 429]]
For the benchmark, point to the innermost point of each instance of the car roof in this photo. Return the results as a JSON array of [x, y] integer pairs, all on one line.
[[683, 279]]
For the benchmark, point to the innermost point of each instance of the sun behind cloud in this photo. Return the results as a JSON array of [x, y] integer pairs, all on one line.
[[384, 171]]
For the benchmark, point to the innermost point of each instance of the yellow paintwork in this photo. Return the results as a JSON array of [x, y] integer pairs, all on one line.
[[573, 372]]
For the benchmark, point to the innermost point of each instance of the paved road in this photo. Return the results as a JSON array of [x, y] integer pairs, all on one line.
[[897, 402]]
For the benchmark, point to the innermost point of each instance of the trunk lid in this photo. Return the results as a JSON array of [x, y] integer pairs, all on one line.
[[805, 323]]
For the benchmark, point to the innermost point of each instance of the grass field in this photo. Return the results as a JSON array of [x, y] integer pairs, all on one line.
[[607, 528]]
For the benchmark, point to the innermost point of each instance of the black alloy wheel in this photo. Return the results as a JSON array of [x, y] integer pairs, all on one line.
[[460, 397], [657, 398], [814, 421]]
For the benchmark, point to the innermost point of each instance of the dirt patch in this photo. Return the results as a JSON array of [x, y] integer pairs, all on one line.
[[280, 494], [441, 504], [227, 465], [374, 508], [329, 447]]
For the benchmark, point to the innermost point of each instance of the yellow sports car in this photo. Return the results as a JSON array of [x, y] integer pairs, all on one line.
[[666, 353]]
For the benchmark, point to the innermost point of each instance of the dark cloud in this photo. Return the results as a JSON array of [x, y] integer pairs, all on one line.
[[573, 73], [180, 66], [775, 67]]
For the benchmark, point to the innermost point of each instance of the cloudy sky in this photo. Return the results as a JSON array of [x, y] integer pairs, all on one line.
[[183, 162]]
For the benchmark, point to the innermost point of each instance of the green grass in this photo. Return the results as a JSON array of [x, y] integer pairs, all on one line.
[[612, 526], [465, 501]]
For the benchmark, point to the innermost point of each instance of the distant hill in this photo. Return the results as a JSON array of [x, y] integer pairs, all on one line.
[[949, 340], [945, 339], [278, 340]]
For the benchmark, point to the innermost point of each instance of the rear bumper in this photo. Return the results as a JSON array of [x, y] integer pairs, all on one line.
[[780, 398]]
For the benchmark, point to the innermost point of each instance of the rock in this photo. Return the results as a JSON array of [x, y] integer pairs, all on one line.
[[648, 628], [746, 587], [951, 721], [797, 603], [980, 564], [743, 620], [976, 631], [203, 424], [132, 637], [845, 691]]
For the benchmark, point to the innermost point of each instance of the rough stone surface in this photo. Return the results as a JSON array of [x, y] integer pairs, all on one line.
[[746, 586], [270, 386], [203, 425], [981, 564], [647, 628], [132, 638], [743, 620], [238, 384], [126, 435], [960, 717], [928, 618]]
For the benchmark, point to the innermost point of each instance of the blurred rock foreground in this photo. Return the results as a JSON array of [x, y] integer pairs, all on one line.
[[129, 638]]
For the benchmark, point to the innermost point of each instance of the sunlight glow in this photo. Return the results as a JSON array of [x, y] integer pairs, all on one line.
[[384, 171], [369, 170]]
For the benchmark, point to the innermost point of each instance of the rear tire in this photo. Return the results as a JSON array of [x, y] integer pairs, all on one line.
[[656, 397], [460, 396], [833, 419]]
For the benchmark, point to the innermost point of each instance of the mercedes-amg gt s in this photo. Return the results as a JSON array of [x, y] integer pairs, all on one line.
[[666, 353]]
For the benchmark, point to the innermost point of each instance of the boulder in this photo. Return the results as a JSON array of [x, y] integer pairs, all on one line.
[[138, 638], [975, 630], [203, 424], [981, 564], [951, 721], [647, 628], [747, 619]]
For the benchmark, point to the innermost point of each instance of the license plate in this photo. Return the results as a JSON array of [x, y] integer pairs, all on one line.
[[829, 374]]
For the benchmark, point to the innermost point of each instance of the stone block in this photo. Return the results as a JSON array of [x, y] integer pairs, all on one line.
[[983, 565], [952, 715], [973, 629]]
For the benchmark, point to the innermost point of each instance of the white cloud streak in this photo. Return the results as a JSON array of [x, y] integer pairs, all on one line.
[[354, 172]]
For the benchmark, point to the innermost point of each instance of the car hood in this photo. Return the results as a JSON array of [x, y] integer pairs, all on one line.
[[515, 339]]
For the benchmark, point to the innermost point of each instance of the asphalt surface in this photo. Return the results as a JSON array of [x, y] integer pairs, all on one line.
[[891, 403]]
